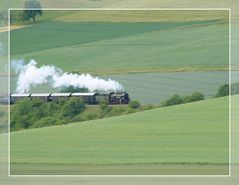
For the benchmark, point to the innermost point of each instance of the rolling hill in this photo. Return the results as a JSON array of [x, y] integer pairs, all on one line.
[[194, 133]]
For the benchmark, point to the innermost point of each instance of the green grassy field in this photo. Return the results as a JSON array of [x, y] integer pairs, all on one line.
[[195, 133], [141, 16], [152, 88], [123, 47]]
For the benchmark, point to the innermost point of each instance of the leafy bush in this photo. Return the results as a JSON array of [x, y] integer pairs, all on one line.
[[73, 107], [27, 113], [117, 111], [134, 104], [33, 113], [45, 121], [177, 99], [223, 90], [196, 96], [91, 116], [174, 100], [103, 105]]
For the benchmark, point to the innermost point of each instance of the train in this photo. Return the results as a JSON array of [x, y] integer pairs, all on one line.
[[89, 98]]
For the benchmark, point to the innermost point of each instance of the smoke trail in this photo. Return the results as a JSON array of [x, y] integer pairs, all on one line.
[[29, 75]]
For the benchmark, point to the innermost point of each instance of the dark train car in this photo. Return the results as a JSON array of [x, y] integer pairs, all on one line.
[[101, 98], [89, 98], [16, 97], [59, 96], [118, 98], [41, 96]]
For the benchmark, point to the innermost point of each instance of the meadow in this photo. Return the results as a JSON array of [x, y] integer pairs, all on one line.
[[152, 88], [193, 134], [98, 47]]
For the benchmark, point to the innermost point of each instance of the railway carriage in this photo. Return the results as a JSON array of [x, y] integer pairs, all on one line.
[[41, 96], [59, 96], [89, 98]]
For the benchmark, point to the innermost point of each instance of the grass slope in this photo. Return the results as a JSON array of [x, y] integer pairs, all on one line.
[[191, 133], [106, 48]]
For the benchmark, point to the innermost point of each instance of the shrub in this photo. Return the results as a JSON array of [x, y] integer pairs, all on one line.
[[46, 121], [91, 116], [117, 111], [187, 99], [103, 105], [174, 100], [177, 99], [223, 90], [73, 107], [196, 96], [134, 104], [24, 113]]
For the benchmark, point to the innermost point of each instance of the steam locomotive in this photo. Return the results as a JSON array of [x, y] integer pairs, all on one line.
[[89, 98]]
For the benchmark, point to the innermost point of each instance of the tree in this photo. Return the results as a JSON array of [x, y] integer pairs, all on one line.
[[223, 90], [16, 16], [196, 96], [174, 100], [73, 107], [33, 8]]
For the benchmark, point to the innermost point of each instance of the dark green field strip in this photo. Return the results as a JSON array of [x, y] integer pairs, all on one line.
[[53, 34], [137, 169]]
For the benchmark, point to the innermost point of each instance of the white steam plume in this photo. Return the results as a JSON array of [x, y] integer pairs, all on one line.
[[29, 75]]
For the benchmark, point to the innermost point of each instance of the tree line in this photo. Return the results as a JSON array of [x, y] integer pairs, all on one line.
[[36, 113]]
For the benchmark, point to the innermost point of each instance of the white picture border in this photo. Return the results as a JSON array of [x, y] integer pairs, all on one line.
[[121, 9]]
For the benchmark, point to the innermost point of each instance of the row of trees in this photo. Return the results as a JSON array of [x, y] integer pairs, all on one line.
[[223, 90], [35, 113], [178, 99]]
